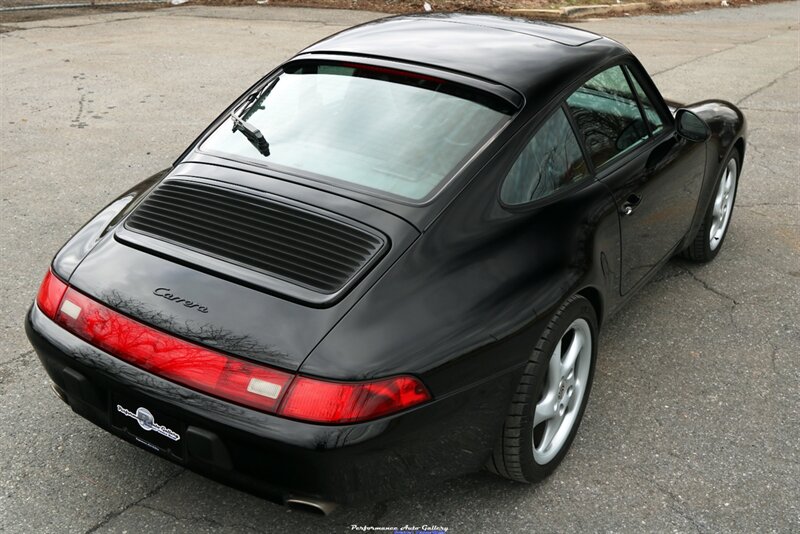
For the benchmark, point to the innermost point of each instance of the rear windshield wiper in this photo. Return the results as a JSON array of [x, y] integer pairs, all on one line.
[[240, 123], [252, 133]]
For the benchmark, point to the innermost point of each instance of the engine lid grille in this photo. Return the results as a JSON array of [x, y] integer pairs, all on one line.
[[311, 249]]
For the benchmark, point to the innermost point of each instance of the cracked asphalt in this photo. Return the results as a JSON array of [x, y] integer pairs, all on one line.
[[694, 420]]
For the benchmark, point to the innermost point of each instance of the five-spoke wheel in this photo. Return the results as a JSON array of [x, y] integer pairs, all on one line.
[[567, 374], [551, 396], [723, 204], [709, 237]]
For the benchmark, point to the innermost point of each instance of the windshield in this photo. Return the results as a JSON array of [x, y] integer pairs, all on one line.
[[395, 132]]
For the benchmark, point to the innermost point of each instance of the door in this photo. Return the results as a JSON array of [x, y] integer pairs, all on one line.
[[655, 178]]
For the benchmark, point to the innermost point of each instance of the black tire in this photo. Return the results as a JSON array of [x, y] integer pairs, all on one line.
[[513, 456], [700, 250]]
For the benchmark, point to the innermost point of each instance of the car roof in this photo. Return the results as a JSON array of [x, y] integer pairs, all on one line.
[[531, 57]]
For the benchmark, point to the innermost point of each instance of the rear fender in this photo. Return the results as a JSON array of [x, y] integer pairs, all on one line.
[[78, 247]]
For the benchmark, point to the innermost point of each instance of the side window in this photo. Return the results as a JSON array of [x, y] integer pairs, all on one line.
[[656, 122], [608, 115], [552, 159]]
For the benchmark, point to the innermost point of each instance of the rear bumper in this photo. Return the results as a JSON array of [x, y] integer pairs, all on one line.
[[274, 457]]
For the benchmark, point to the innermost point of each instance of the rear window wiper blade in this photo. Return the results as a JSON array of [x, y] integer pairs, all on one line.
[[240, 124], [252, 133]]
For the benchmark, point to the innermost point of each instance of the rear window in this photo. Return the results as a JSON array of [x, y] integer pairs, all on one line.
[[394, 132]]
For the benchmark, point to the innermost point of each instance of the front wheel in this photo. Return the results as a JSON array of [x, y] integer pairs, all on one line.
[[551, 397], [711, 234]]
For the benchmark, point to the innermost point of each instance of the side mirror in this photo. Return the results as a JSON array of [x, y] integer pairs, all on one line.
[[691, 127]]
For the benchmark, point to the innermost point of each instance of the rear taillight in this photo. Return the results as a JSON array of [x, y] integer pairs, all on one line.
[[252, 385], [321, 401], [50, 294], [172, 358]]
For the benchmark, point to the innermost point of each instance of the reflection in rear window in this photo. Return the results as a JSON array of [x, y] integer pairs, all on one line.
[[395, 132]]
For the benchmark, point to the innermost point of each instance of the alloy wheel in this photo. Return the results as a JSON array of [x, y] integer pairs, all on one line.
[[567, 377], [723, 204]]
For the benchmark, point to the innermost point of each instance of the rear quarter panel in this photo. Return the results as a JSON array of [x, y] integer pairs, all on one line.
[[470, 298]]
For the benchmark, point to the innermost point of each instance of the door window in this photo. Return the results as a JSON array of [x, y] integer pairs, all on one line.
[[656, 122], [551, 160], [608, 115]]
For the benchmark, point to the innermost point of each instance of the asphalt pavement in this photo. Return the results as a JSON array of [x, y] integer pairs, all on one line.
[[694, 420]]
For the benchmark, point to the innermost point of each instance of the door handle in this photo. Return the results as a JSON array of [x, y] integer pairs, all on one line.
[[630, 204]]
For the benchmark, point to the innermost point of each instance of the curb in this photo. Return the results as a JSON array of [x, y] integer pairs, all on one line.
[[88, 3], [607, 9]]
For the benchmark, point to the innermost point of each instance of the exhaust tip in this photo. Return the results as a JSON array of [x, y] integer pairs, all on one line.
[[313, 506], [59, 393]]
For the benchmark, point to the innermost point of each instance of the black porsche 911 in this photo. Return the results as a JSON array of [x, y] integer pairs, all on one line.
[[388, 261]]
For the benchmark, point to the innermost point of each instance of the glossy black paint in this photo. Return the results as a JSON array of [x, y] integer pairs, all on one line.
[[530, 57], [78, 247], [274, 457], [242, 319], [459, 299]]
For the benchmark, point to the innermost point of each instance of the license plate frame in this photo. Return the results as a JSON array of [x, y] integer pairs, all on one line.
[[147, 426]]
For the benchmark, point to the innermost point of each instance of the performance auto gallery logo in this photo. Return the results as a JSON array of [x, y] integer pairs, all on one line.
[[406, 529], [147, 422]]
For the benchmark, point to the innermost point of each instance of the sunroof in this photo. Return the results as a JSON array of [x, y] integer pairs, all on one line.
[[552, 32]]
